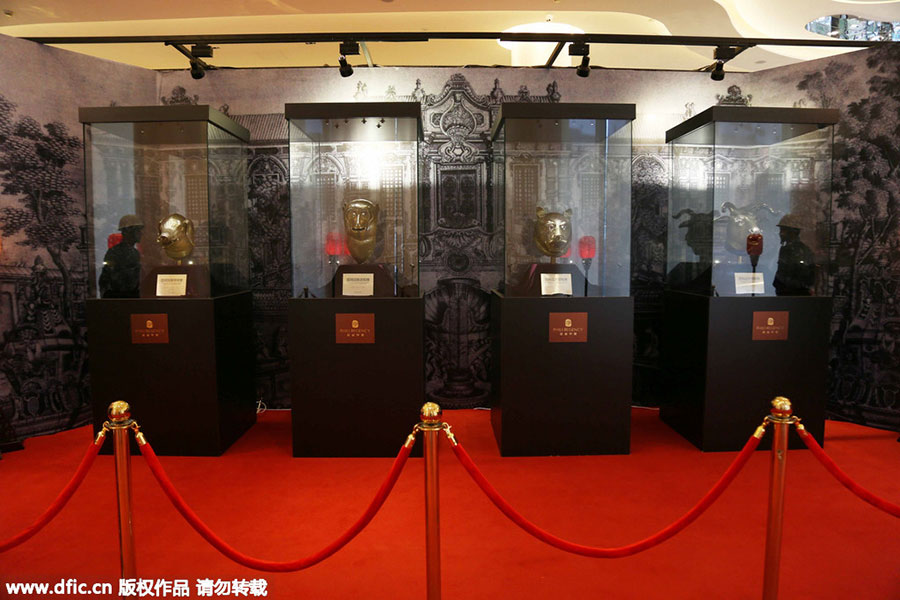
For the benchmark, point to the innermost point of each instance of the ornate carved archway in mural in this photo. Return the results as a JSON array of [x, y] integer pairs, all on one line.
[[461, 244], [459, 205]]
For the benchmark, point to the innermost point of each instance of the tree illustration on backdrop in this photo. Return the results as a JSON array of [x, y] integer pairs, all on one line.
[[825, 87], [866, 180], [866, 192], [35, 166], [269, 227]]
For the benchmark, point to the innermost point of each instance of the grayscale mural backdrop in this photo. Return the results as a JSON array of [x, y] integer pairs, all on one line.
[[44, 384], [43, 351]]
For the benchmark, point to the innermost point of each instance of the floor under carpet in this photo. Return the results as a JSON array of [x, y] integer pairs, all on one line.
[[270, 505]]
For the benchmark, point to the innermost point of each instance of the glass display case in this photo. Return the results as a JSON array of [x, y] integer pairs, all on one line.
[[166, 202], [563, 174], [747, 311], [355, 323], [354, 198], [170, 300], [750, 201]]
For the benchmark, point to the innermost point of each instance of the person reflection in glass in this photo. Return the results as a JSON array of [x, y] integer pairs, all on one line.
[[121, 274], [796, 264], [695, 275]]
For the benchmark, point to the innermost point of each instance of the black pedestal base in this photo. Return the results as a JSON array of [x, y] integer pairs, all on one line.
[[721, 381], [561, 397], [192, 396], [355, 399]]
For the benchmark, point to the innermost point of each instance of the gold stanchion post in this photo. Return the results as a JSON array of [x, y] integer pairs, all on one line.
[[119, 423], [781, 418], [431, 427]]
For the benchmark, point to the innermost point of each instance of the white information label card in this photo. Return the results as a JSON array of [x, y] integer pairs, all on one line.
[[556, 283], [358, 284], [171, 284], [749, 283]]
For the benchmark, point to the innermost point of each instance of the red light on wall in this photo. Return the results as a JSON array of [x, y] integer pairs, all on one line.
[[113, 240], [587, 247], [568, 253]]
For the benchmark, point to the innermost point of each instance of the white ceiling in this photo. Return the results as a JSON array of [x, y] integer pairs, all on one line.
[[725, 18]]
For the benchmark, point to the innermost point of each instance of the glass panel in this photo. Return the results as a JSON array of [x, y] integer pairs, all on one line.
[[614, 274], [498, 191], [228, 236], [112, 192], [354, 206], [567, 192], [691, 211], [750, 209]]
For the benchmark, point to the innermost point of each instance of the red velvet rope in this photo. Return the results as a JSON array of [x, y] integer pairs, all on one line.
[[60, 501], [620, 551], [831, 467], [265, 565]]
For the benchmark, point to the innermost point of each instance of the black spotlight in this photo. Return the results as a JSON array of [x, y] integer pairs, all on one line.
[[345, 68], [721, 55], [581, 49], [584, 69], [197, 70]]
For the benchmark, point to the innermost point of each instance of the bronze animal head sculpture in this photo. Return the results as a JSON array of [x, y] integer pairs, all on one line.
[[361, 225], [176, 236], [553, 232]]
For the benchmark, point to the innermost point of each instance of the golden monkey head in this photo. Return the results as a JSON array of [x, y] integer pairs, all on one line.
[[361, 225]]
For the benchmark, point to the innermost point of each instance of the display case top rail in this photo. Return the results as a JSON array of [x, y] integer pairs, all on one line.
[[352, 110], [561, 110], [823, 117], [358, 110], [150, 114]]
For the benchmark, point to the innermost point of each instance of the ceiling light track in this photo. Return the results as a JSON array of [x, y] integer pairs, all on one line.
[[726, 48], [563, 38]]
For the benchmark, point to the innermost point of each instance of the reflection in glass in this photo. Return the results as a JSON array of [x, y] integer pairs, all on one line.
[[120, 275]]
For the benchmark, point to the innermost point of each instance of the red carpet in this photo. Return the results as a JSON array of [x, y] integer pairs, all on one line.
[[272, 506]]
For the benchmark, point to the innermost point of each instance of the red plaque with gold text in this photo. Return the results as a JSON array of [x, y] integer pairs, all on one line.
[[770, 325], [354, 328], [568, 327], [150, 329]]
